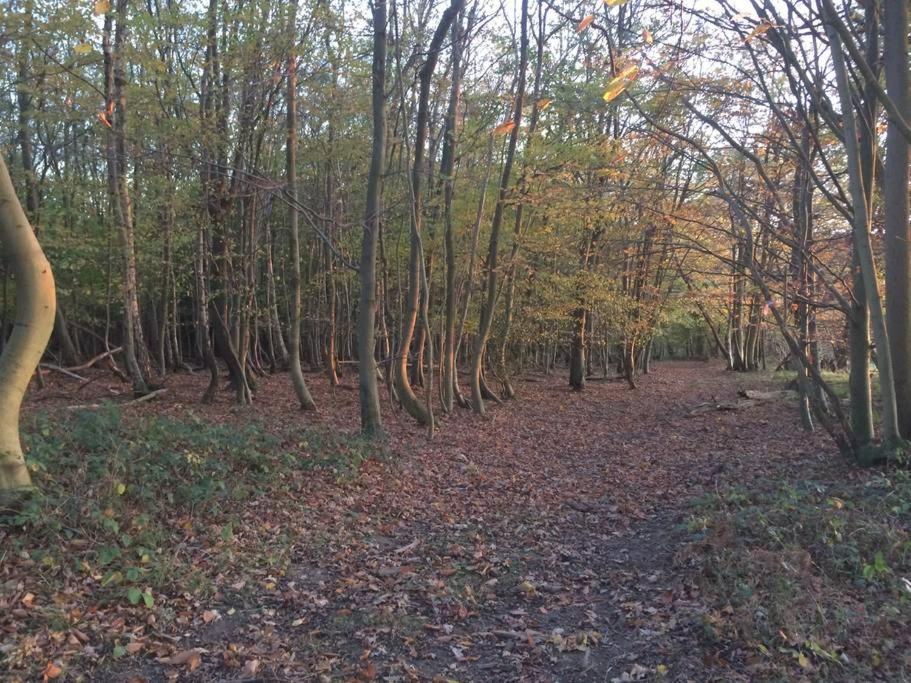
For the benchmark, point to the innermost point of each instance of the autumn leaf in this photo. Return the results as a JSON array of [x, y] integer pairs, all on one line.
[[101, 7], [618, 84], [51, 671], [83, 48], [189, 658], [614, 3], [762, 27], [504, 128], [647, 36], [585, 23], [543, 103]]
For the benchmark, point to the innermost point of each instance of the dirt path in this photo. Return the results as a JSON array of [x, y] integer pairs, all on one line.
[[537, 544]]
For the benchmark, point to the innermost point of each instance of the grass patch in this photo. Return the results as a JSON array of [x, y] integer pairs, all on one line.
[[130, 505], [810, 578]]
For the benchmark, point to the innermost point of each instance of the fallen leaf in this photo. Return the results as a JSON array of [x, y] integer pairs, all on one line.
[[51, 671]]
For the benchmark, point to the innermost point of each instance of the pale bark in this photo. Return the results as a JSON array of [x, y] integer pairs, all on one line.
[[35, 307]]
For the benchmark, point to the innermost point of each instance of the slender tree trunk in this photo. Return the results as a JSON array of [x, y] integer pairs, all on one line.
[[420, 411], [862, 243], [121, 208], [447, 167], [297, 375], [488, 306], [371, 420]]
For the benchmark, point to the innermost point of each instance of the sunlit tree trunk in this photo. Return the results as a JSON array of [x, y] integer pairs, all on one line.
[[35, 306]]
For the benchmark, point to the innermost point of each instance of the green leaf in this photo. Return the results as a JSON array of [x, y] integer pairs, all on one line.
[[134, 595], [148, 599]]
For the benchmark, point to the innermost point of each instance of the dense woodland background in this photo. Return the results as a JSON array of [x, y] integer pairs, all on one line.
[[435, 201], [547, 186]]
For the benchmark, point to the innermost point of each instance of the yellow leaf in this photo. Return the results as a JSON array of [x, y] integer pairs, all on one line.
[[101, 6], [661, 669], [803, 661], [630, 72], [647, 36], [543, 103], [83, 48], [760, 28], [121, 488], [504, 128], [614, 3], [618, 84], [585, 23]]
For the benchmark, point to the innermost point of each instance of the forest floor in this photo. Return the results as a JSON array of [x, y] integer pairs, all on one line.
[[563, 537]]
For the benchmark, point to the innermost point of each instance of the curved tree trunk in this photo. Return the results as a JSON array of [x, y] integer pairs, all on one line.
[[417, 270], [35, 308]]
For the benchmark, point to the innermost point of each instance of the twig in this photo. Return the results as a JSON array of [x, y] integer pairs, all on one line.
[[141, 399]]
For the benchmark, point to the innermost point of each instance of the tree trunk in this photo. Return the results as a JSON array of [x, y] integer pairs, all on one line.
[[294, 350], [35, 305], [897, 245], [488, 306], [133, 344], [862, 243], [447, 165], [417, 265], [371, 420]]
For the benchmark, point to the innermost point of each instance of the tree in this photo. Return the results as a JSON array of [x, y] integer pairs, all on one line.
[[371, 420], [35, 308]]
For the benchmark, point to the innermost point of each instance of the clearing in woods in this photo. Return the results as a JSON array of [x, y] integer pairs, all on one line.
[[539, 543]]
